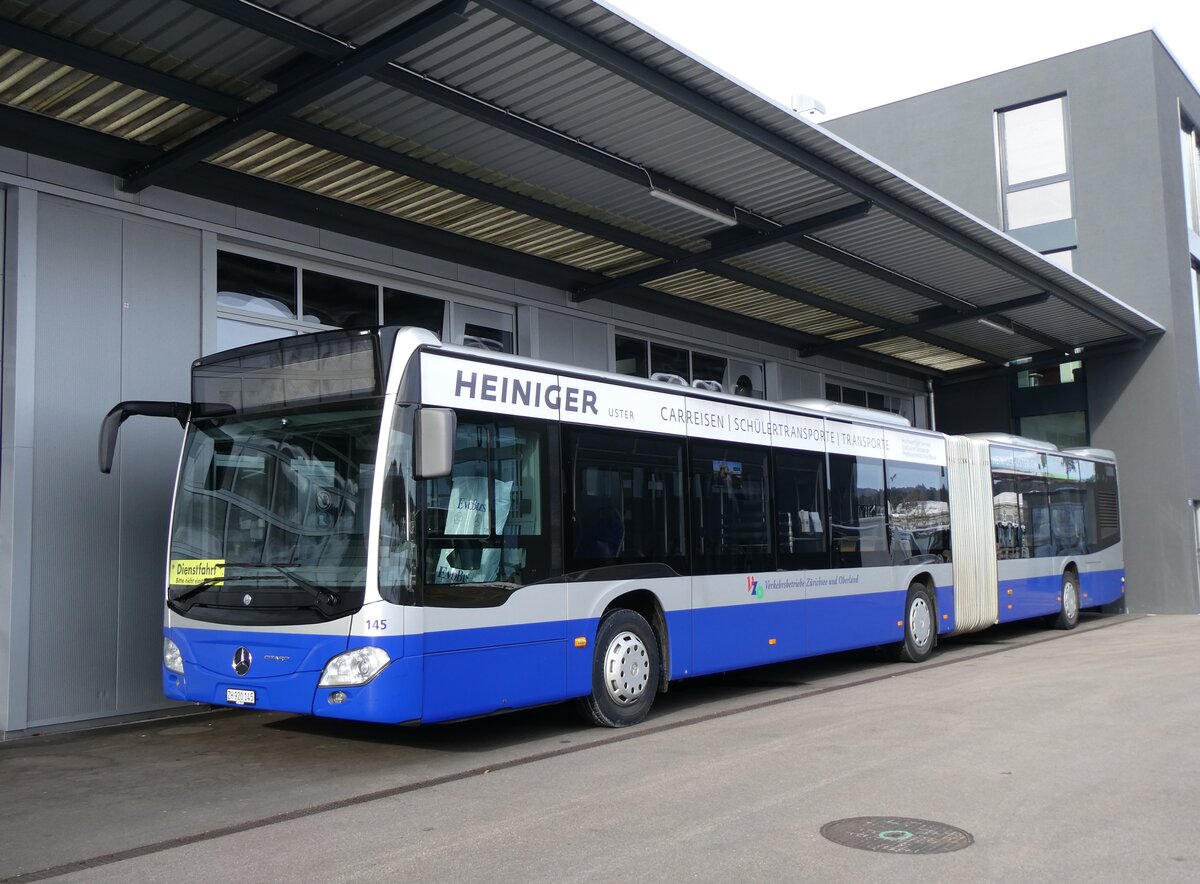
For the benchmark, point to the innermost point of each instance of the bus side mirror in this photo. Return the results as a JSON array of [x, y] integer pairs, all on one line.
[[433, 444], [118, 414]]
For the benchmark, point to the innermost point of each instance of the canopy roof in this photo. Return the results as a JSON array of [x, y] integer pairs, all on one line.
[[552, 140]]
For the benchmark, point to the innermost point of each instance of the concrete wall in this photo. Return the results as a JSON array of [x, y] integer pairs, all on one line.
[[1123, 103]]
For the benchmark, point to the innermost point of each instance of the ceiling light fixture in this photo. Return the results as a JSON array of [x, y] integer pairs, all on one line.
[[703, 211], [999, 323]]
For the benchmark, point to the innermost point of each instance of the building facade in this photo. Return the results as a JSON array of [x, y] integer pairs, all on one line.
[[1091, 158]]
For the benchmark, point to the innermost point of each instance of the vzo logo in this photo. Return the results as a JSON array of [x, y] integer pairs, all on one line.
[[754, 587]]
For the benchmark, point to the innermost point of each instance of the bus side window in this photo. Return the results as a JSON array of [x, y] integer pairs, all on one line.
[[731, 509], [626, 500], [857, 512], [800, 511], [918, 513], [485, 523]]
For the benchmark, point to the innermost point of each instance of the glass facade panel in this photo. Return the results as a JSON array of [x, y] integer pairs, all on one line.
[[708, 372], [405, 308], [1035, 143], [255, 285], [343, 303], [236, 333], [632, 357], [669, 364], [486, 338], [1065, 429], [1064, 259], [1038, 205], [1190, 148]]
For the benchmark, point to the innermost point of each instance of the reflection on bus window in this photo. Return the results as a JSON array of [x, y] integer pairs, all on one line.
[[627, 496], [858, 512], [485, 523], [731, 509]]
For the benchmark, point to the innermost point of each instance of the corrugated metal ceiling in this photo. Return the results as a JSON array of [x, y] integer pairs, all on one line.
[[538, 128]]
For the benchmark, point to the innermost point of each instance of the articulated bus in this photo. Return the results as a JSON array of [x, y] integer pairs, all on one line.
[[372, 525]]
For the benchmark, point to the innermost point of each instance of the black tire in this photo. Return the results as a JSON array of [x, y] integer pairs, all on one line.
[[625, 670], [1068, 617], [920, 626]]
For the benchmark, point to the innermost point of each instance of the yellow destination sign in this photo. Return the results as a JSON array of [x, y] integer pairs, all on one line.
[[192, 572]]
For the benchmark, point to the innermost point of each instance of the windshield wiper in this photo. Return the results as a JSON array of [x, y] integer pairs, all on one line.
[[209, 584], [321, 595]]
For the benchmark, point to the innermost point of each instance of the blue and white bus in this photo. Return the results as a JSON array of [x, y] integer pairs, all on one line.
[[372, 525]]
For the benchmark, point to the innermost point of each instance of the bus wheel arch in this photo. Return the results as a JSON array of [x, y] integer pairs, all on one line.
[[626, 669], [1068, 615], [647, 604]]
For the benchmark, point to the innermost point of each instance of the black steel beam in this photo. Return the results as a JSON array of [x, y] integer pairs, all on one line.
[[732, 247], [940, 319], [290, 32], [566, 35], [883, 274], [1041, 337], [326, 79]]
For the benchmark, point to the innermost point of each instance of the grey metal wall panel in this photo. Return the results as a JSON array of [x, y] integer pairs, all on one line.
[[575, 341], [73, 610], [160, 336]]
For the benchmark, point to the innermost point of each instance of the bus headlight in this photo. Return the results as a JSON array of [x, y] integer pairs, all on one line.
[[354, 667], [172, 658]]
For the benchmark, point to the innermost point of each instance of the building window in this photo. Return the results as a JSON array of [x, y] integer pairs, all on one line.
[[1035, 174], [848, 395], [1064, 258], [1190, 137], [260, 299], [671, 364], [1064, 373]]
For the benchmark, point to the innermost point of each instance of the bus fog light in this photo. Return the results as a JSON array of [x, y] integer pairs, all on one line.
[[337, 698], [172, 658], [354, 667]]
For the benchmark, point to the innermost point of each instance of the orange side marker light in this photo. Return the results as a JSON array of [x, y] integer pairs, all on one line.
[[581, 642]]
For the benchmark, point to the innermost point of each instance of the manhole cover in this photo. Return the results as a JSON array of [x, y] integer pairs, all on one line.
[[896, 834]]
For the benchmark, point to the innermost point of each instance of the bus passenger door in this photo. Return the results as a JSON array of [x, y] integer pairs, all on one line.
[[494, 627]]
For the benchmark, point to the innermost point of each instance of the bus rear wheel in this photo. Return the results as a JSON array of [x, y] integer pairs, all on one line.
[[919, 625], [1068, 617], [625, 669]]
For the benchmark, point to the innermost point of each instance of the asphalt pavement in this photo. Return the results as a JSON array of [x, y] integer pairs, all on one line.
[[1023, 753]]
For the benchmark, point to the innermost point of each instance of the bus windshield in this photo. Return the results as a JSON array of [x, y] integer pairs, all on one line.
[[272, 515]]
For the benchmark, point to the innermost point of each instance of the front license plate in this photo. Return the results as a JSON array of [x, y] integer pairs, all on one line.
[[239, 696]]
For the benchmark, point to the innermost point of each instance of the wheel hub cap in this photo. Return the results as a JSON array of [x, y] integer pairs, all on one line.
[[626, 668], [920, 623]]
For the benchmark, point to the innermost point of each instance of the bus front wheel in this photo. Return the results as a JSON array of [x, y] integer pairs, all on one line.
[[1068, 617], [919, 625], [625, 667]]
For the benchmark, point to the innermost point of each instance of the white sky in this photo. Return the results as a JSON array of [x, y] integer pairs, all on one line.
[[856, 54]]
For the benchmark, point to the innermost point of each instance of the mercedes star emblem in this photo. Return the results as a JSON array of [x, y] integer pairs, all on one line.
[[241, 661], [246, 599]]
